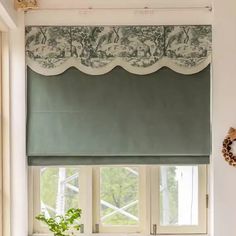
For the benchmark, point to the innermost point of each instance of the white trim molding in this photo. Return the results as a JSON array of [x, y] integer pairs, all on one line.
[[129, 16], [19, 199], [6, 152], [71, 4], [8, 16]]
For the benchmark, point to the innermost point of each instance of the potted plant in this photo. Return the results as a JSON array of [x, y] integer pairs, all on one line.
[[62, 225]]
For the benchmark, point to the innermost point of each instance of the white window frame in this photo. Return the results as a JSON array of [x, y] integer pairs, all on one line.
[[142, 207], [201, 228], [5, 133], [149, 199], [85, 179]]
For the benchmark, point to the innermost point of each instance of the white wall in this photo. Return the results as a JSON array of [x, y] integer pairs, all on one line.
[[224, 114], [8, 4], [223, 190], [72, 4]]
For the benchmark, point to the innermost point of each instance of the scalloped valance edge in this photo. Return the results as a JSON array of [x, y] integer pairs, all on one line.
[[106, 69], [96, 50]]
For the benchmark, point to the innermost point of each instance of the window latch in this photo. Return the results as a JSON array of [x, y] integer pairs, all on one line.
[[82, 228], [96, 228], [207, 201], [154, 229]]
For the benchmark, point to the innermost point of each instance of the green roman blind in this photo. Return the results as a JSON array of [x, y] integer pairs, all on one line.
[[118, 118]]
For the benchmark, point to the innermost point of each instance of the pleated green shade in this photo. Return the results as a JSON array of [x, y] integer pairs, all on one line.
[[118, 118]]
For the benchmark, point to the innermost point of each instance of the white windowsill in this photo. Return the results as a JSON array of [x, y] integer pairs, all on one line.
[[123, 234]]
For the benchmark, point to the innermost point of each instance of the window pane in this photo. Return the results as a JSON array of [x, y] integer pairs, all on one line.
[[59, 190], [178, 195], [119, 196]]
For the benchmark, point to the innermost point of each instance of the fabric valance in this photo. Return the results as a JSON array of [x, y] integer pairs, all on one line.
[[96, 50]]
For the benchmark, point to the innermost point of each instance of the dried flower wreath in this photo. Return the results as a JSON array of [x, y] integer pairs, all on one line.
[[227, 149]]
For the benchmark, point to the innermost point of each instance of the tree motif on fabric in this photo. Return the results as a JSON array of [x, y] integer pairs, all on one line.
[[132, 47]]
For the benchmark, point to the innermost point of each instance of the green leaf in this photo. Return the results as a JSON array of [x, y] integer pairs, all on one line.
[[59, 224]]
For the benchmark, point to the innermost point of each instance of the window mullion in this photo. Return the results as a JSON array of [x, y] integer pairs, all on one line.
[[145, 189], [96, 198], [37, 201], [154, 183], [85, 198], [144, 200], [202, 195]]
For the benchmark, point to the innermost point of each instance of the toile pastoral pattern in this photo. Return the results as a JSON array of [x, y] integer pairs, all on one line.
[[98, 49]]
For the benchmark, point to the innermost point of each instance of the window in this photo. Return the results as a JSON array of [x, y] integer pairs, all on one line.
[[125, 199], [118, 199], [178, 195], [57, 189], [179, 199]]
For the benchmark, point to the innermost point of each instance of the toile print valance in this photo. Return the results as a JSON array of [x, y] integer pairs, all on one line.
[[95, 50]]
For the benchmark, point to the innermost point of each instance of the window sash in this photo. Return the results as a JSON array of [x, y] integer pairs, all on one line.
[[202, 207], [120, 228], [85, 180]]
